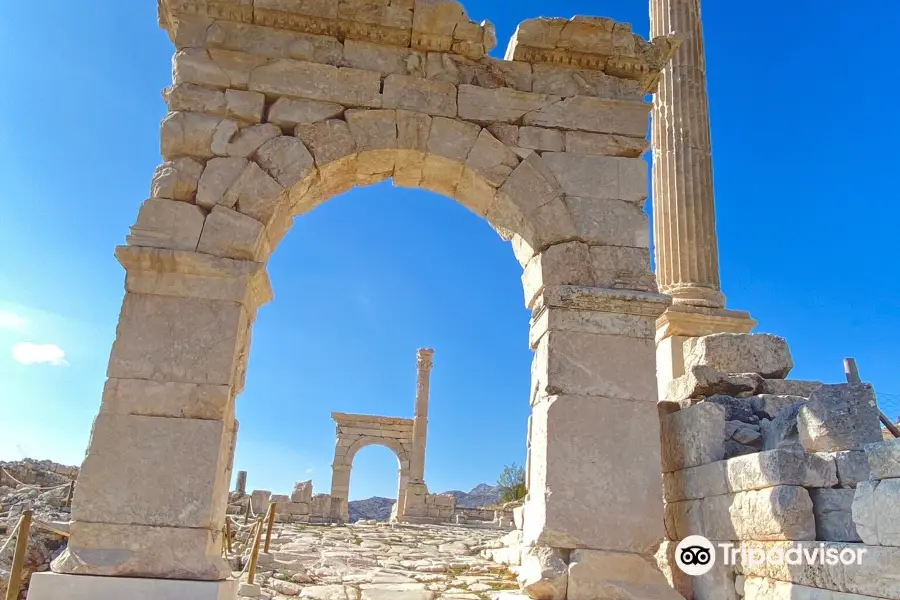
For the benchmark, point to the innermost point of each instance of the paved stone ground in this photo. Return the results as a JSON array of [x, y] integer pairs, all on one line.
[[379, 562]]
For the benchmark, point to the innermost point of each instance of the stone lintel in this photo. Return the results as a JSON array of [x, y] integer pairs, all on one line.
[[194, 275], [351, 420], [695, 321]]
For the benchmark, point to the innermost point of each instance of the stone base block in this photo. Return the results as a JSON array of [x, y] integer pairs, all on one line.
[[53, 586], [596, 574]]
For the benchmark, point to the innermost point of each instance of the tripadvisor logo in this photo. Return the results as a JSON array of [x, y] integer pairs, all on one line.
[[695, 555]]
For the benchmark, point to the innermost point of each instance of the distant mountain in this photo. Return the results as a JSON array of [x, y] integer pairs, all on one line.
[[379, 508], [480, 495], [376, 507]]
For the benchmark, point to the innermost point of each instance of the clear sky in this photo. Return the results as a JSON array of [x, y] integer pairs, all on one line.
[[804, 133]]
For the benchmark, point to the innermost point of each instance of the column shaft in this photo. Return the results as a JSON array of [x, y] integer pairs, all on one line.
[[424, 362], [687, 256]]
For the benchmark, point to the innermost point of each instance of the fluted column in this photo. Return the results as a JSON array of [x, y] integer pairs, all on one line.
[[424, 362], [687, 255]]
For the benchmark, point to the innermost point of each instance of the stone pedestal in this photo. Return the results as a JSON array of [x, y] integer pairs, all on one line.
[[681, 322], [52, 586]]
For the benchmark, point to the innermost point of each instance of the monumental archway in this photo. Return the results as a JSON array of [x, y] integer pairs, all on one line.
[[279, 105], [355, 432]]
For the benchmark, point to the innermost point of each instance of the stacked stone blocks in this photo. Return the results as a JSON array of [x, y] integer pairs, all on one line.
[[751, 457]]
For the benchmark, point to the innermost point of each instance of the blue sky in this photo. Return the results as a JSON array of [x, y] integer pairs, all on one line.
[[801, 96]]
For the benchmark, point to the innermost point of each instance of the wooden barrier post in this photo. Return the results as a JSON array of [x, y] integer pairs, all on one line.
[[70, 494], [851, 371], [228, 534], [247, 512], [269, 525], [254, 552], [15, 574]]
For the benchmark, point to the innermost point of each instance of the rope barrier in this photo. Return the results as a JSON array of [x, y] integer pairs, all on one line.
[[50, 528], [34, 487], [12, 536]]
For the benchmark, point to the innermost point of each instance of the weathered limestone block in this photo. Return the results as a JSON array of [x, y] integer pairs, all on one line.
[[218, 177], [254, 193], [543, 573], [289, 112], [781, 432], [762, 353], [677, 579], [383, 59], [559, 359], [693, 436], [573, 470], [193, 275], [839, 417], [582, 142], [177, 180], [750, 472], [491, 158], [531, 185], [789, 387], [195, 98], [599, 115], [875, 575], [350, 87], [286, 160], [876, 512], [701, 381], [259, 501], [193, 134], [608, 222], [540, 138], [599, 177], [244, 106], [568, 81], [230, 234], [188, 340], [852, 467], [768, 406], [246, 141], [143, 551], [165, 399], [618, 267], [167, 224], [503, 105], [302, 492], [272, 42], [832, 510], [562, 264], [884, 459], [328, 141], [420, 95], [599, 574], [194, 65], [452, 139], [124, 448], [782, 512], [508, 134], [237, 65]]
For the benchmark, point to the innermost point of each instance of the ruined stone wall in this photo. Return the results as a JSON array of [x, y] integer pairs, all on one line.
[[38, 473], [749, 457]]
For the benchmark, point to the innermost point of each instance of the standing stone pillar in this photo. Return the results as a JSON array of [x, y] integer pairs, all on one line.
[[424, 362], [595, 488], [152, 491], [684, 221], [241, 486]]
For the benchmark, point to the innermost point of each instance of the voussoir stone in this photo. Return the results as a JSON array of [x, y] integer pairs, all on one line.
[[167, 224], [177, 179], [762, 353], [286, 160], [218, 177], [289, 112]]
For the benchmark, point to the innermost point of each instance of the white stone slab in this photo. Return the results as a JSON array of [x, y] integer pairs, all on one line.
[[52, 586]]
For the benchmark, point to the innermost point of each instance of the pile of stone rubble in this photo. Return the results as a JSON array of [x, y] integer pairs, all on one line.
[[41, 486]]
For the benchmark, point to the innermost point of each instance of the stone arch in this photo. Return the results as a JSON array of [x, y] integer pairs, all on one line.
[[355, 432], [276, 107]]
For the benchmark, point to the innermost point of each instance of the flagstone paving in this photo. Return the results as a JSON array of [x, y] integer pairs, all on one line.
[[376, 562]]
